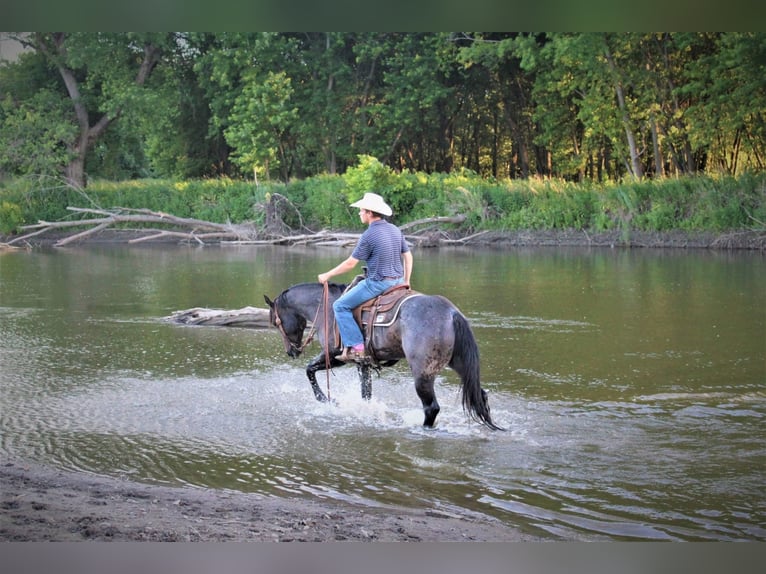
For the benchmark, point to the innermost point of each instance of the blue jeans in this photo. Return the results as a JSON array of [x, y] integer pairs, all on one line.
[[366, 289]]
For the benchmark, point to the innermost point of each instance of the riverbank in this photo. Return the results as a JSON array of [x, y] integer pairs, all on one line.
[[734, 240], [38, 503]]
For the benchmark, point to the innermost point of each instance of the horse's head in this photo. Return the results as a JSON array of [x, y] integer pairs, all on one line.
[[290, 324]]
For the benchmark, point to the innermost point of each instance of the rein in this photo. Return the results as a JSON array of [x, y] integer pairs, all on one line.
[[310, 337], [325, 304]]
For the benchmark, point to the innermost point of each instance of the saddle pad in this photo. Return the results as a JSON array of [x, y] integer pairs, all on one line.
[[387, 318]]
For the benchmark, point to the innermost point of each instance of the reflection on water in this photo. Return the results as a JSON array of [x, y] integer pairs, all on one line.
[[632, 385]]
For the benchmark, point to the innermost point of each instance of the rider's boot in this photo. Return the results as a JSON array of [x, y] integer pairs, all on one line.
[[355, 353]]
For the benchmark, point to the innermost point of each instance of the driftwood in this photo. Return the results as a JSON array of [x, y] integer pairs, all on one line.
[[195, 230], [325, 238], [247, 317], [198, 230]]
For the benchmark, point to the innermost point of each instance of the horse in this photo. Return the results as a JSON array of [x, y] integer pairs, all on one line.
[[429, 332]]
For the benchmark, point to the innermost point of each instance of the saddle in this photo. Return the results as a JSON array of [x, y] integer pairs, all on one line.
[[380, 311]]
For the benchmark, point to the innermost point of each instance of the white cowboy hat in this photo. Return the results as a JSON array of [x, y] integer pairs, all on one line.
[[373, 202]]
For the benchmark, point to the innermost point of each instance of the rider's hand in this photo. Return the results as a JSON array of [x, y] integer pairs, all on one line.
[[322, 277]]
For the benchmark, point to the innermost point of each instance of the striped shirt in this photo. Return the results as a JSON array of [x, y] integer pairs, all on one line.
[[381, 247]]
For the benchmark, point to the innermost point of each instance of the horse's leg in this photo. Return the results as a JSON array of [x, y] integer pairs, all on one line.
[[365, 376], [424, 386], [318, 364]]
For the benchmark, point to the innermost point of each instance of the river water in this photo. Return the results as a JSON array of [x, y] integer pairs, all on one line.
[[632, 384]]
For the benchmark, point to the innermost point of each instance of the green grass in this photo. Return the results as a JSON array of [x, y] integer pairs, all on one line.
[[699, 203]]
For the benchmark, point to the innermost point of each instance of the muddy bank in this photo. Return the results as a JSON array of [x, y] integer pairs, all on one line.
[[748, 240], [38, 503], [631, 239]]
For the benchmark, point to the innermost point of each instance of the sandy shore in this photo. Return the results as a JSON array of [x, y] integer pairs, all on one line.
[[38, 503]]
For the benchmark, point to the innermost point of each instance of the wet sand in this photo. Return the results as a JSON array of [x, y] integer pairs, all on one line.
[[38, 503]]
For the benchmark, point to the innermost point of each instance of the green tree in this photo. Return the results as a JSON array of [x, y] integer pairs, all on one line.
[[327, 85], [35, 136], [230, 70], [415, 109], [261, 115], [727, 81], [506, 103], [176, 129], [103, 75], [573, 105], [593, 101]]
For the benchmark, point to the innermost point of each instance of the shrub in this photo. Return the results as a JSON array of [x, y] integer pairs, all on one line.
[[11, 217], [692, 203], [324, 201]]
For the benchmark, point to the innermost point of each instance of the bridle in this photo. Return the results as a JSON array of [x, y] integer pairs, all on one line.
[[310, 337]]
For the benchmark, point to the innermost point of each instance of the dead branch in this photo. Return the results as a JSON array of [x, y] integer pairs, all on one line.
[[77, 236], [162, 226], [199, 230], [198, 237], [320, 238], [466, 239]]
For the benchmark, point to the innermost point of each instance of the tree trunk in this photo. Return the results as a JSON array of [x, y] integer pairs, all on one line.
[[74, 172], [635, 160], [54, 48], [519, 143], [659, 164]]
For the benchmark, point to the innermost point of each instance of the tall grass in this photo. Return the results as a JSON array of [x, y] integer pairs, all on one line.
[[700, 203]]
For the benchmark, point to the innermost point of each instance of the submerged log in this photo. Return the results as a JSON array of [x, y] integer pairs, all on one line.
[[247, 317]]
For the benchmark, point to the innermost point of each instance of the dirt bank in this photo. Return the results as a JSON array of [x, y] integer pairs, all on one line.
[[38, 503], [635, 239], [750, 240]]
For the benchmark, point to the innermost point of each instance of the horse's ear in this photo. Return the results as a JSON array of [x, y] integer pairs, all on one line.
[[269, 302]]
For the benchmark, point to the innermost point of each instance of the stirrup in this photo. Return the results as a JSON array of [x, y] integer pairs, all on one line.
[[349, 355]]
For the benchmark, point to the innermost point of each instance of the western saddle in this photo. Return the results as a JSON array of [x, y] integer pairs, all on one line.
[[380, 311]]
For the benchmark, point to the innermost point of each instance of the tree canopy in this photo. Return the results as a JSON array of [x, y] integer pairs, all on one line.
[[576, 106]]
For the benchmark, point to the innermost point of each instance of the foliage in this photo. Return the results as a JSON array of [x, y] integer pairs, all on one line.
[[370, 175], [39, 198], [259, 118], [218, 200], [694, 203], [34, 135], [323, 202], [11, 217], [597, 107], [546, 204]]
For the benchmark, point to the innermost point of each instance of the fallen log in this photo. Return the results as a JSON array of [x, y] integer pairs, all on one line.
[[159, 225], [198, 230], [247, 317]]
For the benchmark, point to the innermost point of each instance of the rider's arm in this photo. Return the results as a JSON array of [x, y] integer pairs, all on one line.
[[343, 267], [407, 262]]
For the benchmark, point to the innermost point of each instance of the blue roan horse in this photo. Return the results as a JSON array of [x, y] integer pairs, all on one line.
[[429, 331]]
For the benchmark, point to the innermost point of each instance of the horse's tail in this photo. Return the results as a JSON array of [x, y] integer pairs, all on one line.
[[465, 361]]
